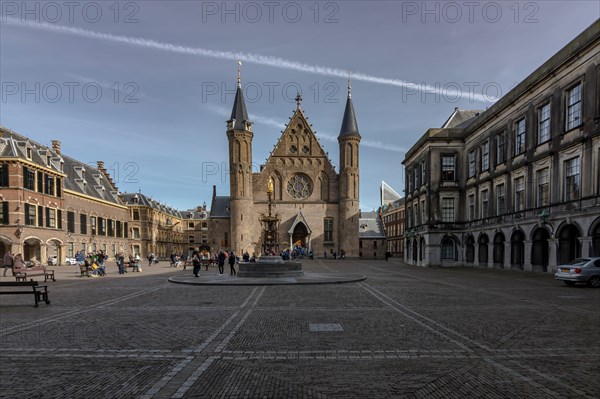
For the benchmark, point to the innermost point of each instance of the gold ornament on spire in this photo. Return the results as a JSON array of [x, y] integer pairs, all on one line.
[[349, 86], [270, 186], [239, 74]]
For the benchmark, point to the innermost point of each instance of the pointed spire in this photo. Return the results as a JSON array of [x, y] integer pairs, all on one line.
[[298, 100], [349, 125], [239, 115]]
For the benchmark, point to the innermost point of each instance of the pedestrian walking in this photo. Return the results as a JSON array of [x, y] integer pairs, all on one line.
[[121, 263], [221, 260], [7, 261], [232, 264], [196, 262]]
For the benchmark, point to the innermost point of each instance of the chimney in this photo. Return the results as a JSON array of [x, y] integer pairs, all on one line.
[[56, 146], [100, 166]]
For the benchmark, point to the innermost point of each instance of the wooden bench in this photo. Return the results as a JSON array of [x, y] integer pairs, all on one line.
[[82, 270], [21, 274], [40, 292]]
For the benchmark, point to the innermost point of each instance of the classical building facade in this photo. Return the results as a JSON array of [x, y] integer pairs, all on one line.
[[154, 227], [318, 207], [516, 186], [53, 205]]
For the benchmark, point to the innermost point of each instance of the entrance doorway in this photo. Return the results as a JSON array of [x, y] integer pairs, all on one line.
[[299, 236]]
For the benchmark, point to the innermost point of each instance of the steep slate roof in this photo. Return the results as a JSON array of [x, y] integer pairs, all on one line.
[[84, 179], [80, 177], [239, 113], [220, 207], [461, 118], [349, 125], [192, 214], [14, 145], [145, 200], [370, 226]]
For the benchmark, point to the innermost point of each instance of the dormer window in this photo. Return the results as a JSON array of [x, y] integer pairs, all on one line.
[[28, 152]]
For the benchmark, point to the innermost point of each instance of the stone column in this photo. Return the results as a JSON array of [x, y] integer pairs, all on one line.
[[507, 261], [476, 253], [586, 246], [552, 252], [527, 256], [490, 263]]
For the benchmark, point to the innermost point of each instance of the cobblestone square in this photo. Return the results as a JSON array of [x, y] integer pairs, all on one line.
[[403, 332]]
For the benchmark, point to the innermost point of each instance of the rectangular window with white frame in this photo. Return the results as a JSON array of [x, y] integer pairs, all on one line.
[[417, 177], [484, 204], [500, 198], [520, 131], [572, 179], [471, 163], [448, 167], [519, 194], [485, 156], [51, 218], [544, 123], [448, 210], [543, 187], [574, 117], [472, 207], [500, 148], [423, 172]]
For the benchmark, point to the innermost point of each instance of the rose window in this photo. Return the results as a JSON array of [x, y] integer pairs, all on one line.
[[299, 186]]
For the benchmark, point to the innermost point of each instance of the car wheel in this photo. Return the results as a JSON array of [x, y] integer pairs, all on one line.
[[569, 283], [594, 281]]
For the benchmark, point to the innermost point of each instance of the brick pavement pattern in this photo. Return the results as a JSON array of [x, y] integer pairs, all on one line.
[[405, 332]]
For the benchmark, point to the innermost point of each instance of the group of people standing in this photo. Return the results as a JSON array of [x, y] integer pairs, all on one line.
[[221, 258]]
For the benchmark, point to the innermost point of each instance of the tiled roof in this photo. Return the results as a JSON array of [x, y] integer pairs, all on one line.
[[370, 226], [144, 200], [220, 207], [80, 177]]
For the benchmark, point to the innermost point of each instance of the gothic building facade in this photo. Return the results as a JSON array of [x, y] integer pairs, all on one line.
[[318, 206]]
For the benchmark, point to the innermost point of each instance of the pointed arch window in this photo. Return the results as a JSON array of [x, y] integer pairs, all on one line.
[[348, 155], [324, 183]]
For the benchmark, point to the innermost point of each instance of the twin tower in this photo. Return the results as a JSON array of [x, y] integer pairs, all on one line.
[[319, 208]]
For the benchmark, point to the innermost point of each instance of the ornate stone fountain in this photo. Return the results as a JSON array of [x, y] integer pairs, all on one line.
[[270, 263]]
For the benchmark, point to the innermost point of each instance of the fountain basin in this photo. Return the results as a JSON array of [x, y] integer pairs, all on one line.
[[270, 266]]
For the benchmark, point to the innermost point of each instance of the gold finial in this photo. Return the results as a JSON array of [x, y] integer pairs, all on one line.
[[349, 86], [270, 185], [298, 100], [239, 73]]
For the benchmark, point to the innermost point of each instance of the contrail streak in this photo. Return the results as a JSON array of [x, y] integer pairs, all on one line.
[[277, 62]]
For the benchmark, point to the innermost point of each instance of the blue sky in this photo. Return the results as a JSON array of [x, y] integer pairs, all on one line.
[[147, 86]]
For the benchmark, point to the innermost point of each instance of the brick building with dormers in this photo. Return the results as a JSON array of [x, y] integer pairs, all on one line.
[[53, 205]]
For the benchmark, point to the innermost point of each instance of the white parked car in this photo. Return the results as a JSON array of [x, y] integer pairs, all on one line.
[[70, 261], [582, 270], [53, 260]]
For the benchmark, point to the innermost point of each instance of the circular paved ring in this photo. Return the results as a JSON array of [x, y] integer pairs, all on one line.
[[307, 279]]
